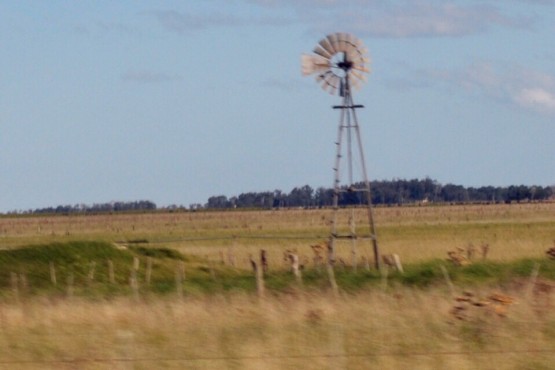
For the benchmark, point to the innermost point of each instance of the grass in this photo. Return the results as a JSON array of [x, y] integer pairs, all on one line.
[[384, 330], [85, 266], [382, 321], [513, 231]]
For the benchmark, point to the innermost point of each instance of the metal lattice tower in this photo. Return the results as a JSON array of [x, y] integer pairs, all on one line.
[[340, 61]]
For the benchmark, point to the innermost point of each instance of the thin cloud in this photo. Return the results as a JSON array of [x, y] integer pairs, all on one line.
[[149, 77], [183, 22], [401, 19], [527, 88], [291, 85], [426, 19], [537, 99], [537, 2], [180, 22], [366, 18]]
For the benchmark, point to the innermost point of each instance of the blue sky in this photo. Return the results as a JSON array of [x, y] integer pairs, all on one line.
[[175, 101]]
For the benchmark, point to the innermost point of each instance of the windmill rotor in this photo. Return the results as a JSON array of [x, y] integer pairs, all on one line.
[[338, 60]]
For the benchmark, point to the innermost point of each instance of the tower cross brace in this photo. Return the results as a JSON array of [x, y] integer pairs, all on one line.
[[348, 127]]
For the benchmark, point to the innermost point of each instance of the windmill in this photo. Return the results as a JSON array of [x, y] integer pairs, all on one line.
[[340, 63]]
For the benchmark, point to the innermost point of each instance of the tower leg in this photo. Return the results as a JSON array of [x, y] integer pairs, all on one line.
[[348, 120]]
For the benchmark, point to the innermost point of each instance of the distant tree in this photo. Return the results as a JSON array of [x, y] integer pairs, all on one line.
[[454, 193], [219, 201], [278, 199], [323, 197], [301, 197]]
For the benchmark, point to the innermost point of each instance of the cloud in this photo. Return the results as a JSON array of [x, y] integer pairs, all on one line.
[[180, 22], [538, 2], [509, 84], [536, 98], [291, 85], [183, 22], [424, 19], [148, 77], [400, 19], [366, 18]]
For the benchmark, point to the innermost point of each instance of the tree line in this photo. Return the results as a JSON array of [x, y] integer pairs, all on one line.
[[140, 205], [385, 192]]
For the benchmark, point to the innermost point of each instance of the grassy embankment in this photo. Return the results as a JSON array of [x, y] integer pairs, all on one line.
[[78, 246], [415, 233]]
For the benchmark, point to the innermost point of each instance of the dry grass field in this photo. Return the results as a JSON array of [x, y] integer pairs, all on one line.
[[373, 330], [415, 233], [378, 327]]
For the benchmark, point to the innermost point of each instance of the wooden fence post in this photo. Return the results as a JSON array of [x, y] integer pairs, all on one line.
[[133, 279], [179, 277], [532, 281], [231, 255], [53, 273], [448, 280], [15, 285], [148, 270], [259, 280], [331, 277], [111, 275], [90, 275]]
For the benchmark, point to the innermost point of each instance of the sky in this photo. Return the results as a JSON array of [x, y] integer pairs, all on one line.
[[177, 101]]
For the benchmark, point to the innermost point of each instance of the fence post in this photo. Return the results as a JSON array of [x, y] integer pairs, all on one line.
[[533, 279], [148, 270], [133, 279], [15, 285], [179, 277], [448, 280], [90, 275], [259, 280], [111, 275], [331, 277], [53, 273]]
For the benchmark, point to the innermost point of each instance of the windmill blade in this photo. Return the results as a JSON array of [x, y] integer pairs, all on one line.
[[360, 64], [332, 84], [361, 67], [325, 44], [356, 79], [328, 81], [361, 60], [313, 63], [322, 52], [355, 84], [333, 80], [358, 76], [343, 41], [321, 77], [350, 46], [352, 52], [363, 51], [359, 46], [358, 43], [329, 88], [333, 41]]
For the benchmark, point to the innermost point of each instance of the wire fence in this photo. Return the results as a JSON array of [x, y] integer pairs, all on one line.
[[279, 357]]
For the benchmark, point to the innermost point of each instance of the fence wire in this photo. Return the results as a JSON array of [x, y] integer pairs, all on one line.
[[277, 357]]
